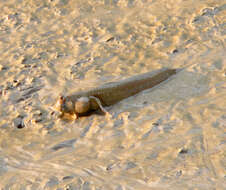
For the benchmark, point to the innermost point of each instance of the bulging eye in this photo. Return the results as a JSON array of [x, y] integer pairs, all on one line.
[[82, 105], [60, 103]]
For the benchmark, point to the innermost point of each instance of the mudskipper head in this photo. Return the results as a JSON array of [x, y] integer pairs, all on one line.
[[66, 106]]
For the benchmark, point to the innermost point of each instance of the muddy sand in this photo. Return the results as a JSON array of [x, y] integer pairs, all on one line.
[[168, 137]]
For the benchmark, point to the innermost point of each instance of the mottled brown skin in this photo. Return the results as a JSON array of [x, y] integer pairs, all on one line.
[[111, 93]]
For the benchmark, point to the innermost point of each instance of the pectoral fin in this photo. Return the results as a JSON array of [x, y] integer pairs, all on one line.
[[96, 103]]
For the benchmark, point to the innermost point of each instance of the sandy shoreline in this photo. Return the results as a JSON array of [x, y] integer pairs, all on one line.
[[169, 137]]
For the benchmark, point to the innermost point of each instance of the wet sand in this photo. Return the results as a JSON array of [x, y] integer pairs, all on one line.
[[168, 137]]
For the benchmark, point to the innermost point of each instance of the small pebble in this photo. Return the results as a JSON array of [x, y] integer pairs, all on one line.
[[183, 151], [155, 124], [179, 173], [175, 51], [109, 167], [3, 68], [67, 177], [110, 39], [18, 122]]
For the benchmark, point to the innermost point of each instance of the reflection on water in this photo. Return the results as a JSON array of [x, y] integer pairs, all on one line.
[[168, 137]]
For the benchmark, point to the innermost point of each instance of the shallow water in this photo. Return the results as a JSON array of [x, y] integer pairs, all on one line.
[[168, 137]]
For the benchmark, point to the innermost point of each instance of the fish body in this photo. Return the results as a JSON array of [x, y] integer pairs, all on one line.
[[113, 92]]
